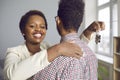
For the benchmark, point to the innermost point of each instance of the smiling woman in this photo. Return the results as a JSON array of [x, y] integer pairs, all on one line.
[[25, 60], [33, 26]]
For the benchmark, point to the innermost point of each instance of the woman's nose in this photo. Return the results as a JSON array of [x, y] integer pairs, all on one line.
[[37, 28]]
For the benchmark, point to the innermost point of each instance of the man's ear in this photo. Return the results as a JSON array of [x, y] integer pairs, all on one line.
[[58, 21]]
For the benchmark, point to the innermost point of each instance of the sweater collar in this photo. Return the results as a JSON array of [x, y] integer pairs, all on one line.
[[70, 37]]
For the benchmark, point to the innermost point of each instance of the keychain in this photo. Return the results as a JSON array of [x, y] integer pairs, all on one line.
[[98, 37]]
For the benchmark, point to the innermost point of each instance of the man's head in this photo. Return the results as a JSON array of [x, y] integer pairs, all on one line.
[[70, 15]]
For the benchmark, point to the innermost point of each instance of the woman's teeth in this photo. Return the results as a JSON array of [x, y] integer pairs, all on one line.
[[37, 35]]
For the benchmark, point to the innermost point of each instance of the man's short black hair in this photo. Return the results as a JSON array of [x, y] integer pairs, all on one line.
[[71, 13]]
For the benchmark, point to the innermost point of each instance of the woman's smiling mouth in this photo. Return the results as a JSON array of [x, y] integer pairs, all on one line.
[[37, 35]]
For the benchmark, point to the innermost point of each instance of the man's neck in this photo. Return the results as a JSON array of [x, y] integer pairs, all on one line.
[[68, 32]]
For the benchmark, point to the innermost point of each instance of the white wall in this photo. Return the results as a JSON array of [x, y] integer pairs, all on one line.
[[10, 14], [90, 11]]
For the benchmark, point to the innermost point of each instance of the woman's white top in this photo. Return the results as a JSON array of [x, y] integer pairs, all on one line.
[[19, 65]]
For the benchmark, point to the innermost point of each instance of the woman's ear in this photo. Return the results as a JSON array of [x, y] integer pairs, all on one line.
[[23, 34]]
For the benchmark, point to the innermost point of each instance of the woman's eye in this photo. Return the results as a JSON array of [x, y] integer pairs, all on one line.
[[32, 26], [43, 27]]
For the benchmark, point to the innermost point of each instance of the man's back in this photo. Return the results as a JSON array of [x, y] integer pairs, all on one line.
[[67, 68]]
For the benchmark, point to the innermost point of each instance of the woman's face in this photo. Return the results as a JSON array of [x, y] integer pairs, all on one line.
[[35, 29]]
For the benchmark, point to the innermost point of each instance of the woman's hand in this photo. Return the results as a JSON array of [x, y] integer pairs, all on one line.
[[70, 49], [64, 49], [94, 27]]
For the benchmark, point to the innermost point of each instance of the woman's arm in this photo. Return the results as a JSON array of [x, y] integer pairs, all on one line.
[[65, 49], [18, 66]]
